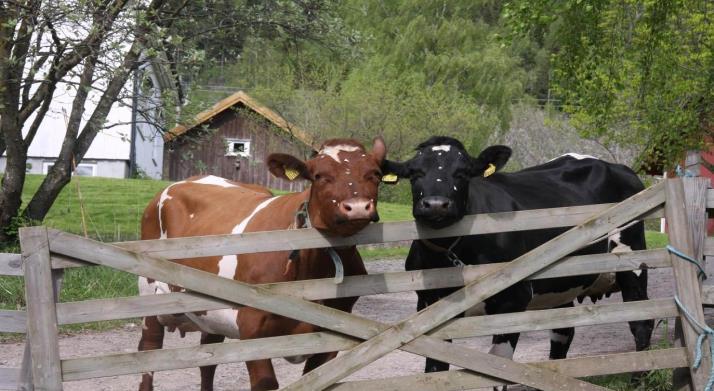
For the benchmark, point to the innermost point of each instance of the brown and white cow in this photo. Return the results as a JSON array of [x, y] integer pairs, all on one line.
[[341, 200]]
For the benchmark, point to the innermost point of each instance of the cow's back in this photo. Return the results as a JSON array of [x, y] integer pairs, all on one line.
[[565, 181], [202, 205]]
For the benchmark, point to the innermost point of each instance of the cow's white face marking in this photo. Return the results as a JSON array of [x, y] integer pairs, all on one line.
[[455, 189], [333, 151], [445, 148], [559, 338], [440, 168], [503, 349], [438, 179], [214, 180], [191, 216]]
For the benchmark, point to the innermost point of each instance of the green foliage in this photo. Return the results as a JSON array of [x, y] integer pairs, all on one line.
[[634, 72], [405, 70]]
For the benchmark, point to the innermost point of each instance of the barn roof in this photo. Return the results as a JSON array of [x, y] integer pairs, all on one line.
[[246, 100]]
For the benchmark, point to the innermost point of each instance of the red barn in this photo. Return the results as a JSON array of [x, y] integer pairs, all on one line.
[[232, 140]]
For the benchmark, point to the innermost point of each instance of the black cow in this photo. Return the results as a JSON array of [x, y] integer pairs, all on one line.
[[447, 184]]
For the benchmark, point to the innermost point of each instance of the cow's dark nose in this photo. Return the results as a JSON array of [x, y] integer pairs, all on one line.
[[357, 209], [435, 204]]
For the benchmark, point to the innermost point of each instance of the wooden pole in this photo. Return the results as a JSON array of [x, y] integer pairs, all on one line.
[[42, 326], [687, 283]]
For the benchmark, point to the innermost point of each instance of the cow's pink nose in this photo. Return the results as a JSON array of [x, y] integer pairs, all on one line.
[[357, 208]]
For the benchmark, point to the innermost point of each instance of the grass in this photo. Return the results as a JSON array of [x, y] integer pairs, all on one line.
[[656, 380], [113, 207]]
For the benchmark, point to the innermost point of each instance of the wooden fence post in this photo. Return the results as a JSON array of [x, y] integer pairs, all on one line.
[[42, 329], [687, 283]]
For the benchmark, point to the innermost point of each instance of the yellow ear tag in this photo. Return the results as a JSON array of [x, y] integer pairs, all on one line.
[[291, 173], [490, 170], [390, 178]]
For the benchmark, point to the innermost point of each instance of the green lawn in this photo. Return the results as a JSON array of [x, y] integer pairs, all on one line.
[[113, 207]]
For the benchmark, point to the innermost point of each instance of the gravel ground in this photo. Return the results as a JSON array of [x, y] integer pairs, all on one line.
[[386, 308]]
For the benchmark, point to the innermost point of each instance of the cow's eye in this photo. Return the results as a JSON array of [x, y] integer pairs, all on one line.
[[322, 178], [416, 174], [461, 174], [374, 176]]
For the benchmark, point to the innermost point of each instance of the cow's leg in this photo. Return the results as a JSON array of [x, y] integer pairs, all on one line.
[[345, 305], [152, 337], [253, 324], [504, 345], [634, 288], [560, 339], [208, 371], [513, 299], [633, 284], [424, 300]]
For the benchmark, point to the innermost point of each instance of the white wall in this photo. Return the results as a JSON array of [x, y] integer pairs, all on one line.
[[111, 143]]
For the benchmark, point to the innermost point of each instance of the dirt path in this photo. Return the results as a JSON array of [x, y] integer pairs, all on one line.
[[386, 308]]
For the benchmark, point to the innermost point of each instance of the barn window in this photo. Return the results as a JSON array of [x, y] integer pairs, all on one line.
[[83, 169], [237, 147]]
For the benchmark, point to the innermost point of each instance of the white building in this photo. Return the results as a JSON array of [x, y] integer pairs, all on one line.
[[110, 154]]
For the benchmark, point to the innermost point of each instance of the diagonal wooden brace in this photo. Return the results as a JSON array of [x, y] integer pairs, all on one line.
[[480, 289], [210, 284], [292, 307]]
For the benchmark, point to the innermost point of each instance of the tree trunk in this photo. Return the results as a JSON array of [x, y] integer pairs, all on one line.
[[14, 178], [75, 147]]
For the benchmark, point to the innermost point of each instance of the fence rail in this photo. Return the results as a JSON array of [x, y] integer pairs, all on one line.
[[59, 250]]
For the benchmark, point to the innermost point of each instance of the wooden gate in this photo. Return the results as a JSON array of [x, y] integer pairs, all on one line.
[[46, 252]]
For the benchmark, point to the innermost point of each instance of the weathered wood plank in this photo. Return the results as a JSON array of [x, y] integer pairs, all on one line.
[[582, 315], [10, 264], [166, 359], [606, 364], [708, 294], [13, 321], [484, 287], [25, 373], [253, 296], [695, 191], [686, 281], [41, 312], [175, 248], [8, 378], [709, 247], [710, 199], [211, 354], [132, 307]]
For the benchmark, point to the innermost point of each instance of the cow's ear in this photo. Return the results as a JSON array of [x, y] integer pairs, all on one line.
[[491, 160], [379, 149], [287, 167], [392, 171]]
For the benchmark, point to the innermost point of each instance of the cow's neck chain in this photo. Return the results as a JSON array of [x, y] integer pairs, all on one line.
[[449, 251], [302, 220]]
